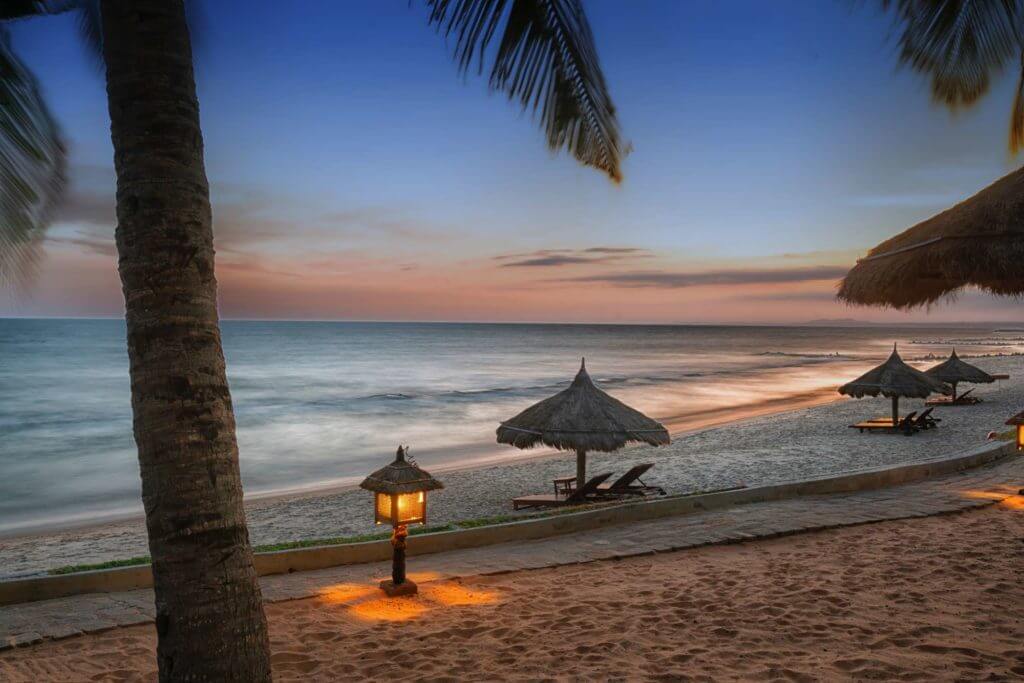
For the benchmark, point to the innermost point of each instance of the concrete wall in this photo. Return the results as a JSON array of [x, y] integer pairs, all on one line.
[[320, 557]]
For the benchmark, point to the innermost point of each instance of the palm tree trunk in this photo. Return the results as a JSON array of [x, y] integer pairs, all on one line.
[[210, 620]]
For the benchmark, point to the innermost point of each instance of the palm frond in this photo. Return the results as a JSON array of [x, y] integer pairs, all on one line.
[[88, 12], [32, 163], [1017, 114], [545, 60], [21, 9], [960, 45]]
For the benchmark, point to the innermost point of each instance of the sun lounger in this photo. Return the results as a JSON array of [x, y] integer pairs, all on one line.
[[579, 495], [926, 421], [964, 399], [906, 425], [631, 484]]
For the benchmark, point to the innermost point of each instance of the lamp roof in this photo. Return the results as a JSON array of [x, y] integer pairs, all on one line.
[[401, 476]]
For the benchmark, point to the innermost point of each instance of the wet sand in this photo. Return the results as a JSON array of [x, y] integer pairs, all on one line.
[[933, 599]]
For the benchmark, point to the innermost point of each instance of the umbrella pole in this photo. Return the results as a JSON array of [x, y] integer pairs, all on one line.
[[581, 468], [895, 411], [954, 391]]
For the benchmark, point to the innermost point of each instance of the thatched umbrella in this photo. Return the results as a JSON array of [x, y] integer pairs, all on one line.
[[581, 418], [953, 371], [894, 379], [978, 242]]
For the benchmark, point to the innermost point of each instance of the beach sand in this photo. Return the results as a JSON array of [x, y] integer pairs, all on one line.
[[798, 444], [930, 599]]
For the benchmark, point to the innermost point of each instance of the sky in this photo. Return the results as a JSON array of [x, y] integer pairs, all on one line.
[[355, 175]]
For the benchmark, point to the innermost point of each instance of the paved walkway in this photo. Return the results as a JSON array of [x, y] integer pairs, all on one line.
[[50, 619]]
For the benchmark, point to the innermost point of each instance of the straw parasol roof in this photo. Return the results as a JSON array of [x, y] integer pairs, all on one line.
[[581, 418], [953, 370], [979, 242], [401, 476], [894, 379]]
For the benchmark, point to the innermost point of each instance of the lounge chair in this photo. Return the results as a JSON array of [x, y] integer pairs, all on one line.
[[926, 421], [627, 484], [887, 421], [964, 399], [579, 495], [906, 426]]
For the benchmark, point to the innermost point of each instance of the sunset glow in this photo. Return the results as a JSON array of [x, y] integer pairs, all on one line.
[[383, 188]]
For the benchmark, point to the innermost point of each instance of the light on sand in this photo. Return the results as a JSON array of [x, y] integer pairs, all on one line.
[[362, 601], [454, 594], [343, 593], [1007, 496], [388, 609]]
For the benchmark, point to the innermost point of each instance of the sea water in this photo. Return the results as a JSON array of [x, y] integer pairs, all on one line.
[[324, 403]]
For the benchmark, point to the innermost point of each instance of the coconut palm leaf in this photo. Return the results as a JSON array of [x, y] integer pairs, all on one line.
[[1017, 114], [958, 44], [32, 163], [546, 61]]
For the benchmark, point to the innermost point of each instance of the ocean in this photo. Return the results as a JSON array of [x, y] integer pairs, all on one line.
[[321, 404]]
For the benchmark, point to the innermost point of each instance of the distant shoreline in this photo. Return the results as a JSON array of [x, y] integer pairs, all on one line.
[[992, 325]]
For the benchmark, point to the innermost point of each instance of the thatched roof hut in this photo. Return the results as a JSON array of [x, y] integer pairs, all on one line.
[[581, 418], [894, 379], [952, 371], [979, 242], [401, 476]]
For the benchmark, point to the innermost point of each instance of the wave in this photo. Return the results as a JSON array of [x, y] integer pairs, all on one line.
[[968, 341], [789, 354]]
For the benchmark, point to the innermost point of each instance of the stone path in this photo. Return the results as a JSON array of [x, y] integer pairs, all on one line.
[[29, 623]]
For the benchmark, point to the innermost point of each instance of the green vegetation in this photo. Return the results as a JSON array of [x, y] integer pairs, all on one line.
[[1008, 435], [112, 564], [342, 540]]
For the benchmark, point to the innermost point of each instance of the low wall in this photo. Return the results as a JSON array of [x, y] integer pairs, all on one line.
[[321, 557]]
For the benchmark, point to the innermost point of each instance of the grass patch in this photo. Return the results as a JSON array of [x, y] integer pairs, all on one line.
[[1008, 435], [487, 521], [110, 564], [269, 548], [343, 540]]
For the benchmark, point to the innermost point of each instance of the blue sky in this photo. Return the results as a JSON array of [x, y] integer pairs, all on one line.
[[355, 174]]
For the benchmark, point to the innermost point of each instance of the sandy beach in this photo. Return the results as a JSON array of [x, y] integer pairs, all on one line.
[[794, 444], [930, 599], [785, 446]]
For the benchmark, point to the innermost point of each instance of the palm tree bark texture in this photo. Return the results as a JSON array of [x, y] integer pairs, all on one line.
[[210, 619]]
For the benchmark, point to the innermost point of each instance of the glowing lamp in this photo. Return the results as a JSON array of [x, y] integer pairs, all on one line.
[[401, 508], [400, 499], [1018, 421]]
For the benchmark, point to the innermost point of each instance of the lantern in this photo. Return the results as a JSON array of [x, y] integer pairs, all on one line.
[[400, 499], [401, 508], [1018, 421]]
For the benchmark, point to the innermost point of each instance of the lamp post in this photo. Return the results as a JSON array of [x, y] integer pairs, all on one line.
[[400, 499], [1018, 421]]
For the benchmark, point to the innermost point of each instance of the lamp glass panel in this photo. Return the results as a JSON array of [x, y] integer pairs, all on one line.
[[383, 507], [1020, 437], [411, 507]]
